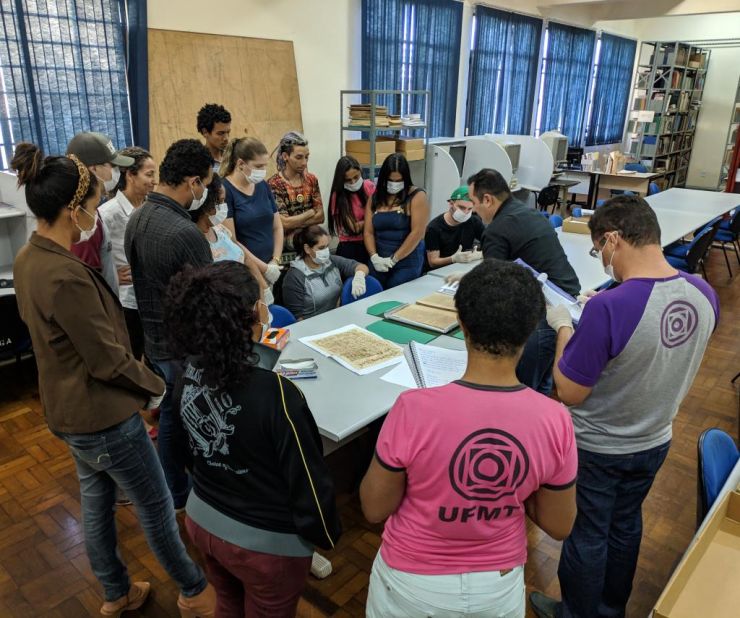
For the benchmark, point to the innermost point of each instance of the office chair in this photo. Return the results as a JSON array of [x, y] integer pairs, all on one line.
[[548, 197], [281, 316], [653, 188], [556, 221], [635, 167], [717, 455], [728, 233], [689, 257], [372, 286]]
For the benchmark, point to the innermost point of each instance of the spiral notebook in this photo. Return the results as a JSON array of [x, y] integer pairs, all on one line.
[[434, 366]]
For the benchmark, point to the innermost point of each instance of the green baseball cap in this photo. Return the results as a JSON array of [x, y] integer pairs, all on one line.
[[95, 149], [461, 193]]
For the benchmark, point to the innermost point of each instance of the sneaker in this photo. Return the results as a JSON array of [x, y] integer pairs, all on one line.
[[543, 606], [202, 605]]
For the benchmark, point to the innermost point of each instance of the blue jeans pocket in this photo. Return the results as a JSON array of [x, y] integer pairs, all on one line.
[[94, 454]]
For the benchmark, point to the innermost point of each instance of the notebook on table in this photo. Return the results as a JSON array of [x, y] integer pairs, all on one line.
[[434, 366]]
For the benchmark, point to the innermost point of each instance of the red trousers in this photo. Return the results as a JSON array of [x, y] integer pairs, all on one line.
[[250, 583]]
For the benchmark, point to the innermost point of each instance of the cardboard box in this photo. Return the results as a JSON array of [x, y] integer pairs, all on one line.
[[576, 225], [705, 582], [363, 158], [276, 338], [415, 155], [406, 144], [385, 145]]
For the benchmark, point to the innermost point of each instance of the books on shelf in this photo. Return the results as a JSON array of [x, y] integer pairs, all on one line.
[[361, 115]]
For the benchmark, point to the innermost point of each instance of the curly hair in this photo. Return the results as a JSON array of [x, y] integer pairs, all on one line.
[[139, 155], [210, 114], [209, 315], [186, 157], [499, 305]]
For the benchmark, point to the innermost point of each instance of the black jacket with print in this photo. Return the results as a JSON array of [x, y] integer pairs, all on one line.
[[256, 455]]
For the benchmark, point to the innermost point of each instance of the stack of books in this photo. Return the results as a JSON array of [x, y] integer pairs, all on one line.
[[298, 369], [395, 122], [361, 115], [412, 120]]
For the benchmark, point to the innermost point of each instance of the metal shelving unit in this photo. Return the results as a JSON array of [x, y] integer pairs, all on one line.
[[669, 83], [728, 159], [398, 102]]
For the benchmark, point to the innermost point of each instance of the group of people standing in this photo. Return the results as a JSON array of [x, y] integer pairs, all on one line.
[[159, 298]]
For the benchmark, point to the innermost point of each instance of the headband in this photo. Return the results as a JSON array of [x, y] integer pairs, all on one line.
[[83, 184]]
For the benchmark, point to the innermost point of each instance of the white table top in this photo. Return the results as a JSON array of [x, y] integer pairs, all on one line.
[[341, 401]]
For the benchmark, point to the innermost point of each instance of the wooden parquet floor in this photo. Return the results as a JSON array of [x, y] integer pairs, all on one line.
[[44, 569]]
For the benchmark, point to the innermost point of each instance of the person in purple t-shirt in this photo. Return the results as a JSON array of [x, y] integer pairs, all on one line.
[[623, 373]]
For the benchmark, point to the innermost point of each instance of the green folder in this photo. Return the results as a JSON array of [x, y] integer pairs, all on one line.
[[459, 334], [380, 308], [400, 333]]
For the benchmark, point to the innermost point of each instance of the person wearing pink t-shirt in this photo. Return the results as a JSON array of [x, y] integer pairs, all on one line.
[[458, 468], [350, 194]]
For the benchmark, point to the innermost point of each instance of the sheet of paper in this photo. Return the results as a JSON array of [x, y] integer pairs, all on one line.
[[645, 116], [449, 288], [439, 366], [401, 375], [355, 348], [422, 315]]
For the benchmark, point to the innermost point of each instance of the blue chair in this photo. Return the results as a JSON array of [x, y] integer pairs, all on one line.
[[281, 316], [635, 167], [556, 221], [728, 233], [372, 286], [653, 188], [603, 201], [690, 256], [716, 457]]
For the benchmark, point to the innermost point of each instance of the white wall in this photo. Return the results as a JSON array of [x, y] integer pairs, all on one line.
[[719, 90], [326, 41]]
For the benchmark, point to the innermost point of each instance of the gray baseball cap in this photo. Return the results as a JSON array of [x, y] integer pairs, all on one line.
[[95, 149]]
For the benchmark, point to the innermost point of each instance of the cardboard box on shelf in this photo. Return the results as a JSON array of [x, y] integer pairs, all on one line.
[[576, 225], [406, 144], [363, 158], [382, 145], [704, 582], [415, 155]]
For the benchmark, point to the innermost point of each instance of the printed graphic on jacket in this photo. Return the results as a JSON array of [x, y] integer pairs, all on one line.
[[208, 433]]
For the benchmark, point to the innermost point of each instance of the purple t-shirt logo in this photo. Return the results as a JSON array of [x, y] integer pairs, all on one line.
[[678, 323]]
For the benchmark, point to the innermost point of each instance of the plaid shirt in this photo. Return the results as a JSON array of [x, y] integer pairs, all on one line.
[[160, 239]]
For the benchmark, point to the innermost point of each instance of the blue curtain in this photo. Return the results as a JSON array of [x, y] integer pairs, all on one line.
[[63, 65], [503, 72], [414, 45], [137, 70], [567, 69], [612, 90]]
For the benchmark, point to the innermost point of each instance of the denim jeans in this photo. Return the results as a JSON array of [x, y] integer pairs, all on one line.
[[123, 455], [599, 558], [171, 453], [535, 366]]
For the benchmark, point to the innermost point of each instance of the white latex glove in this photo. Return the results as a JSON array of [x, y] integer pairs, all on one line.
[[358, 284], [454, 278], [460, 256], [154, 402], [272, 274], [559, 317], [381, 264], [476, 255], [269, 298], [586, 296]]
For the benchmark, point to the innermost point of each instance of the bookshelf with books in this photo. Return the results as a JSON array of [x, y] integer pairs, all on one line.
[[666, 102], [729, 178]]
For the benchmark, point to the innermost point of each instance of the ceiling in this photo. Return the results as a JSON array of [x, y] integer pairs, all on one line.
[[606, 10]]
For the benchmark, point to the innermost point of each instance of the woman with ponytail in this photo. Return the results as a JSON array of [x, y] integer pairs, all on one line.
[[91, 386], [252, 216], [262, 494], [296, 190]]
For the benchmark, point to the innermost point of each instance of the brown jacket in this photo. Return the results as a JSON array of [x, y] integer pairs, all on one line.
[[88, 378]]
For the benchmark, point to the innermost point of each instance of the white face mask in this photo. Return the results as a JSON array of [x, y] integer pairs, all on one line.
[[394, 187], [86, 235], [323, 256], [113, 182], [460, 216], [355, 186], [222, 211], [609, 269], [198, 202], [256, 176]]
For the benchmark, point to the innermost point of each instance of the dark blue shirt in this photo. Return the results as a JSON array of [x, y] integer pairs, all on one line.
[[253, 218]]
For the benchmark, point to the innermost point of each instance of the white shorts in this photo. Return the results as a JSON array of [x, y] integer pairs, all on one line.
[[488, 594]]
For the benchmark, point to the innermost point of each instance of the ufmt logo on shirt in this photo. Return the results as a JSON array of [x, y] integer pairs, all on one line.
[[489, 464]]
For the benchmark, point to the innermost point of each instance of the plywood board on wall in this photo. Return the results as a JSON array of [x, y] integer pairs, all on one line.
[[255, 79]]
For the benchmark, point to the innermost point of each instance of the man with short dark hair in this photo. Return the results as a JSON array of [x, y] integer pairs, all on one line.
[[623, 372], [515, 231], [160, 240], [214, 124]]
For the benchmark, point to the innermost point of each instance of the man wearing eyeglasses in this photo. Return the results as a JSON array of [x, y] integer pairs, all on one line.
[[623, 373]]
